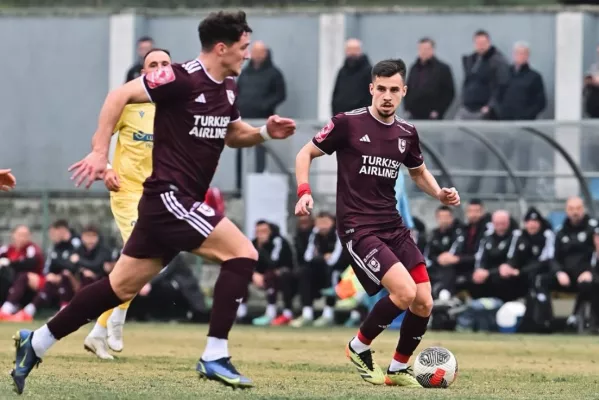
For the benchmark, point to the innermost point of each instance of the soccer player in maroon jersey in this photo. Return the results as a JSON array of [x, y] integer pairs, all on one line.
[[196, 115], [371, 144]]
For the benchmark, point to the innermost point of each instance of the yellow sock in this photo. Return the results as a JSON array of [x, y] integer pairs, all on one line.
[[125, 305], [103, 320]]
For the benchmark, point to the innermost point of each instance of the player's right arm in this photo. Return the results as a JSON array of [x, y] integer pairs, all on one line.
[[327, 141]]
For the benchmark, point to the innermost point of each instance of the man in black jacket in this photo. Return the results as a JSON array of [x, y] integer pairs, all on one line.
[[574, 267], [353, 80], [430, 84], [144, 45], [524, 95], [275, 263], [93, 257]]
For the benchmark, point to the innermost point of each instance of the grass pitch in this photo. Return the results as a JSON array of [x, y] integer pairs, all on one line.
[[159, 361]]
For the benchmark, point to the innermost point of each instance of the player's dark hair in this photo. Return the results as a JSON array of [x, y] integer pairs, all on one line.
[[476, 202], [154, 50], [444, 208], [426, 39], [388, 68], [91, 229], [145, 39], [482, 32], [225, 27], [61, 223], [262, 222], [326, 214]]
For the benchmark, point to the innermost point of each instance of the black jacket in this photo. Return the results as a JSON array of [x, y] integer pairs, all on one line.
[[301, 241], [494, 249], [468, 242], [320, 244], [430, 88], [575, 247], [260, 90], [352, 85], [59, 256], [524, 96], [485, 79], [94, 259], [134, 72], [441, 242], [528, 249], [274, 254]]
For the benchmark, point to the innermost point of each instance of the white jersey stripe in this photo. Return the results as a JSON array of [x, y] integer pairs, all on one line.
[[179, 214], [361, 264], [189, 215]]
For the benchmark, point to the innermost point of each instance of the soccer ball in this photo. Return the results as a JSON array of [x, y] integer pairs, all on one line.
[[435, 367]]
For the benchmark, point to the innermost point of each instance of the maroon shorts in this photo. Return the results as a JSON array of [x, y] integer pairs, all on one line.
[[169, 223], [372, 254]]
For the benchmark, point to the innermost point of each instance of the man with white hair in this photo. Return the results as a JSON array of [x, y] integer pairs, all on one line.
[[353, 79], [524, 96]]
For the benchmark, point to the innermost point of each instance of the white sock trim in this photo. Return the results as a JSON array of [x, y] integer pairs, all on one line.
[[99, 331], [42, 341], [9, 308], [397, 366], [358, 346], [215, 349], [118, 315]]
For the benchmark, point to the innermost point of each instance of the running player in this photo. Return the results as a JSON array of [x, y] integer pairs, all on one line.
[[196, 115], [132, 165], [7, 180], [371, 143]]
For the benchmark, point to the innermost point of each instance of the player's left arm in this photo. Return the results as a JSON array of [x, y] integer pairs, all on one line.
[[241, 134]]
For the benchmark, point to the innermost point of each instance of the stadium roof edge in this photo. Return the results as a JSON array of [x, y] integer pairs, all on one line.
[[155, 12]]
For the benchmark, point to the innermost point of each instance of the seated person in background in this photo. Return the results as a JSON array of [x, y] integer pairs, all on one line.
[[275, 263], [325, 261], [60, 282], [25, 261], [93, 258], [574, 266], [440, 260], [529, 252], [492, 252], [174, 294]]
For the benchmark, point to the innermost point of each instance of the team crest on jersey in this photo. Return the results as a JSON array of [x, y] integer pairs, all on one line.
[[142, 113], [324, 132], [160, 77], [402, 145], [231, 96]]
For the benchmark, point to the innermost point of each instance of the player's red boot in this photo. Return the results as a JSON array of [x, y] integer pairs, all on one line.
[[21, 316], [281, 320]]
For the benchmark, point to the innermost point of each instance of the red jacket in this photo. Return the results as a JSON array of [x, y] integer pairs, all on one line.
[[29, 258]]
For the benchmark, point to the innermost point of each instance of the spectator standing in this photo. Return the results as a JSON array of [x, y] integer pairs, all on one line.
[[591, 90], [430, 84], [144, 45], [353, 80], [261, 89]]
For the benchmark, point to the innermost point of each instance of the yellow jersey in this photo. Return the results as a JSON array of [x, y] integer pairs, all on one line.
[[133, 154]]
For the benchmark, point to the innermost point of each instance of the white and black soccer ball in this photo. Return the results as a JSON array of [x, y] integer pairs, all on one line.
[[435, 367]]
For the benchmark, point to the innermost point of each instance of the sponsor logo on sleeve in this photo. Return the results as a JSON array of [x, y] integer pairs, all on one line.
[[324, 132], [160, 77]]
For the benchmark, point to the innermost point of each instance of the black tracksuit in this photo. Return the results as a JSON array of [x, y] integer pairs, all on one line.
[[430, 88]]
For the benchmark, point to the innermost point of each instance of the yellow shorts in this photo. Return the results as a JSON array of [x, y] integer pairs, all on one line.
[[124, 209]]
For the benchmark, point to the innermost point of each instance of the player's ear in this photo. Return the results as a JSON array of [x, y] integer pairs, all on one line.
[[371, 88], [405, 90]]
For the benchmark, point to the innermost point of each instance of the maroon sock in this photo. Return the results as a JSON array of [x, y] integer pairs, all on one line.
[[231, 286], [65, 291], [18, 289], [412, 329], [87, 305], [377, 320], [48, 295]]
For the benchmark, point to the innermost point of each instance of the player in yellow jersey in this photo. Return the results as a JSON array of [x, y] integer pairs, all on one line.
[[131, 165]]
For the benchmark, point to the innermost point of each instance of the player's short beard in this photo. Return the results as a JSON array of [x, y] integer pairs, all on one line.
[[385, 114]]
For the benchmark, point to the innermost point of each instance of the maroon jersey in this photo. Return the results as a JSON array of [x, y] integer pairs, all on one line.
[[29, 258], [369, 154], [193, 111]]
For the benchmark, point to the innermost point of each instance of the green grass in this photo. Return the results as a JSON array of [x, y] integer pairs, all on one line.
[[159, 361]]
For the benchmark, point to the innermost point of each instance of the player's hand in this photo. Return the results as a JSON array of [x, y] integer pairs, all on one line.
[[111, 180], [449, 197], [506, 271], [91, 168], [258, 279], [280, 128], [7, 180], [586, 276], [146, 289], [563, 278], [480, 275], [304, 205]]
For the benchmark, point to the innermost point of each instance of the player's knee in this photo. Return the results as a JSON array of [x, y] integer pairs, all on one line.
[[124, 289], [251, 253], [422, 305], [403, 293]]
